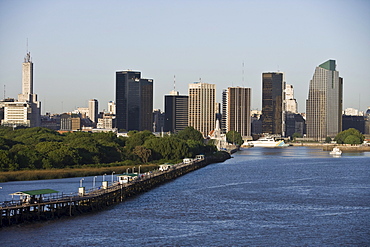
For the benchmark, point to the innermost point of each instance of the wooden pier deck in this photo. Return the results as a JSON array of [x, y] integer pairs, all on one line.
[[54, 207]]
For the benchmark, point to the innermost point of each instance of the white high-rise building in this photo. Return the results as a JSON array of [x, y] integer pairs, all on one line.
[[93, 110], [111, 107], [202, 102], [324, 103], [290, 101], [27, 110]]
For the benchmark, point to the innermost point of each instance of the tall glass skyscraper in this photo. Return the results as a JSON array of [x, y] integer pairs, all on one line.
[[273, 97], [324, 103], [176, 112], [134, 101]]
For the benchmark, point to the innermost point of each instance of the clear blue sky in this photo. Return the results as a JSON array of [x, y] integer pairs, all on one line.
[[77, 46]]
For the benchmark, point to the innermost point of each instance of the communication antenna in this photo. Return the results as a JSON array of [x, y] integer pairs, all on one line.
[[174, 82], [4, 91], [243, 73]]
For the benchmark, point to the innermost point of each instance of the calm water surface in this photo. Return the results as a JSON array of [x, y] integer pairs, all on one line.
[[293, 196]]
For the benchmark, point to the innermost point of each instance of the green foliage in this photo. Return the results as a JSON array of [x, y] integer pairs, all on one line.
[[234, 137], [39, 148], [342, 136], [296, 135], [189, 133], [327, 139], [352, 139], [143, 153]]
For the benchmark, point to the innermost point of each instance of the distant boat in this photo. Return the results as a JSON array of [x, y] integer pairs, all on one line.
[[268, 141], [336, 152]]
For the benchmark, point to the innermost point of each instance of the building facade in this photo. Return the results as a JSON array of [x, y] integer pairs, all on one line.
[[93, 110], [273, 98], [290, 102], [324, 103], [27, 110], [134, 101], [176, 112], [236, 107], [202, 102]]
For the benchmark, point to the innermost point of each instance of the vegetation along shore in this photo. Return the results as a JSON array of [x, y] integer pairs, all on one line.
[[39, 153]]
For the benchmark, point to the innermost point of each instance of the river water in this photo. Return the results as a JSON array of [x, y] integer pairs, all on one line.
[[294, 196]]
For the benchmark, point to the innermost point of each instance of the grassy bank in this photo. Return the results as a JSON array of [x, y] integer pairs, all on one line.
[[68, 172]]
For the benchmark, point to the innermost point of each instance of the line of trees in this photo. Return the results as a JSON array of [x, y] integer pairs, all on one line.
[[41, 148]]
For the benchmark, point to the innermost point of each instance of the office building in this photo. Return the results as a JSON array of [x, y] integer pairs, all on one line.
[[202, 102], [134, 101], [324, 103], [236, 110], [158, 120], [273, 97], [176, 112], [93, 110], [27, 110], [111, 107], [290, 102]]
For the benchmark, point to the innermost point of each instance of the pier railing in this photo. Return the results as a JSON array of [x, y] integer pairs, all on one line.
[[58, 205]]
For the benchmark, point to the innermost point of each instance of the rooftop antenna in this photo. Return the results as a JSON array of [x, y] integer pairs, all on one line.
[[243, 73], [174, 82], [4, 91]]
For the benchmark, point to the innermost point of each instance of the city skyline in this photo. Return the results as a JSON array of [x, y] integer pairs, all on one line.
[[77, 47]]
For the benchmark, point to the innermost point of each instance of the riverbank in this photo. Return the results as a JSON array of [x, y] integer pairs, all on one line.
[[330, 146], [67, 172], [47, 208]]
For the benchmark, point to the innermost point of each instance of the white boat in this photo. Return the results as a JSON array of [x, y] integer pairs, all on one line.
[[268, 141], [336, 151]]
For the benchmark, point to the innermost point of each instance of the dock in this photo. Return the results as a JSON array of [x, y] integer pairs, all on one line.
[[61, 205]]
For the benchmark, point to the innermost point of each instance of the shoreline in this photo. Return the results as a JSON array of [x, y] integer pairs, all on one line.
[[330, 146], [97, 200]]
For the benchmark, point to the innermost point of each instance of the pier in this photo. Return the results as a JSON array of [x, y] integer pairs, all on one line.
[[57, 206]]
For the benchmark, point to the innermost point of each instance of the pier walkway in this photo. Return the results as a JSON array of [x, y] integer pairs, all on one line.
[[60, 205]]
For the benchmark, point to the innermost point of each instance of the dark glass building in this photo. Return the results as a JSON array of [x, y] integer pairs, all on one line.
[[272, 102], [356, 122], [176, 112], [134, 101]]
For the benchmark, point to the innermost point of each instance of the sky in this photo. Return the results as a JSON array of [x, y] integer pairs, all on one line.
[[77, 46]]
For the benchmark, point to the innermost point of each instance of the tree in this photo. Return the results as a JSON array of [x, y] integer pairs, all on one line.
[[137, 138], [143, 153], [341, 136], [234, 137], [352, 139], [189, 133], [296, 135], [327, 139]]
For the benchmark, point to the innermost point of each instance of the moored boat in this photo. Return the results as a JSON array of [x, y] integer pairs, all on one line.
[[336, 151], [268, 141]]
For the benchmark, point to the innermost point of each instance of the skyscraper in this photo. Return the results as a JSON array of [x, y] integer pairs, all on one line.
[[324, 103], [134, 101], [290, 101], [93, 110], [236, 110], [176, 112], [27, 110], [202, 102], [273, 86]]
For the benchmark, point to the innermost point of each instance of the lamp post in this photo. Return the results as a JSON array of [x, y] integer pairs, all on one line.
[[112, 176], [81, 181], [94, 181]]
